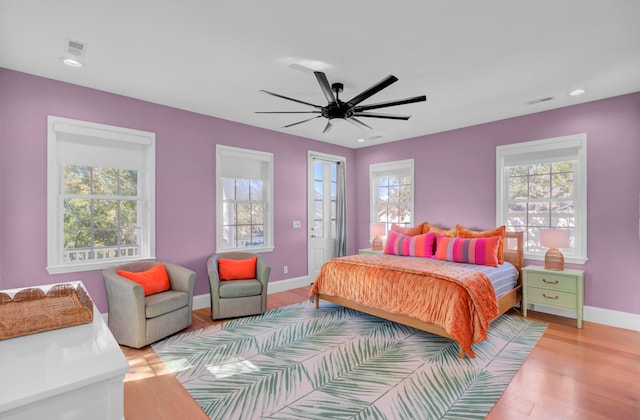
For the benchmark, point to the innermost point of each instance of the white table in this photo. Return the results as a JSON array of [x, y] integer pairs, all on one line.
[[68, 373]]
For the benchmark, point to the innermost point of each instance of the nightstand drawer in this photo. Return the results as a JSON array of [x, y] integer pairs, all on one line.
[[551, 297], [552, 282]]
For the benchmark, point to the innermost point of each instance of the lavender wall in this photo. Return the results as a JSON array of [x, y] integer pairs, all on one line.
[[185, 179], [455, 183]]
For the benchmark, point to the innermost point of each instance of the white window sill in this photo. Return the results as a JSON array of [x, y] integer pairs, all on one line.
[[567, 259], [255, 250], [92, 265]]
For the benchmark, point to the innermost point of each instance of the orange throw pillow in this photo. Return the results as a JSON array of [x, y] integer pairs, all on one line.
[[451, 233], [237, 269], [463, 232], [154, 280], [409, 231]]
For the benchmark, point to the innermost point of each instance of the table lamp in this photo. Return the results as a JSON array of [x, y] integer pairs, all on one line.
[[377, 230], [554, 239]]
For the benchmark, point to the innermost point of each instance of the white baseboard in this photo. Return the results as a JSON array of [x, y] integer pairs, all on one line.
[[603, 316], [202, 301]]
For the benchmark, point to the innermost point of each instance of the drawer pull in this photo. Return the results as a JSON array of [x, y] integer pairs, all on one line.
[[549, 297], [550, 282]]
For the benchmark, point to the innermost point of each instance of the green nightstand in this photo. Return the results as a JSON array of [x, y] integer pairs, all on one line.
[[552, 288], [368, 251]]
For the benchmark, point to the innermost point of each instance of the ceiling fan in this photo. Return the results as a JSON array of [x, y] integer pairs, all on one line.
[[350, 109]]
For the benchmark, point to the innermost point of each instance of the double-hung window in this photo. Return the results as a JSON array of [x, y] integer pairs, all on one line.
[[244, 199], [543, 185], [100, 195], [391, 194]]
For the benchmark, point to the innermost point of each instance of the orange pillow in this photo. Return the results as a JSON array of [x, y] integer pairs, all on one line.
[[409, 231], [154, 280], [237, 269], [463, 232], [451, 233]]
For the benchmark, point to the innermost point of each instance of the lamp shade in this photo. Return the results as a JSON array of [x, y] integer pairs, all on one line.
[[376, 229], [554, 238]]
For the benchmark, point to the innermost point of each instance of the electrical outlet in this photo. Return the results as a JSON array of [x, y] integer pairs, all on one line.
[[286, 269]]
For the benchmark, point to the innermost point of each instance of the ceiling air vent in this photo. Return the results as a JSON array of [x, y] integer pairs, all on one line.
[[75, 48], [537, 101]]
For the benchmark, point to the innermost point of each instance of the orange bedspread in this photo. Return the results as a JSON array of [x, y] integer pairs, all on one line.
[[461, 301]]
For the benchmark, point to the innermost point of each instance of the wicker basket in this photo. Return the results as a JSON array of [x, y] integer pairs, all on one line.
[[32, 311]]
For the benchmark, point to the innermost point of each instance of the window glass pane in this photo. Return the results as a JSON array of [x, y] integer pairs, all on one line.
[[105, 238], [333, 229], [242, 189], [538, 214], [128, 213], [334, 173], [517, 215], [539, 186], [257, 190], [77, 239], [128, 183], [105, 181], [257, 214], [562, 185], [229, 213], [317, 169], [562, 214], [105, 213], [518, 187], [228, 188], [318, 209], [129, 237], [318, 228], [333, 209], [539, 168], [257, 235], [317, 190], [77, 214], [243, 213], [229, 236], [77, 179], [333, 191]]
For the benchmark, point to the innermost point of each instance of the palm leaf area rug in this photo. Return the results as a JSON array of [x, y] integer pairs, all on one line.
[[299, 362]]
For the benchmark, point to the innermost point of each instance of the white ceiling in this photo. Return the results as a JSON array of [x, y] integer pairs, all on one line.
[[477, 61]]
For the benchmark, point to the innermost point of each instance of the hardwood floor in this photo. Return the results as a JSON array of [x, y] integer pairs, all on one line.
[[588, 373]]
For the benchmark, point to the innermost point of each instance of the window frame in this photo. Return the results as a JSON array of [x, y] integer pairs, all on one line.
[[250, 156], [549, 149], [389, 169], [91, 134]]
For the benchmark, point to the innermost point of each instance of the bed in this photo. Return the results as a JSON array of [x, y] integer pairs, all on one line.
[[445, 300]]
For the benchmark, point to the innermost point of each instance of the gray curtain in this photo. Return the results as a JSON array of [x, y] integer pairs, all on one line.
[[341, 211]]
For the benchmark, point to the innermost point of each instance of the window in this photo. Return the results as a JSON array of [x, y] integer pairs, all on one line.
[[392, 193], [244, 199], [100, 195], [540, 185]]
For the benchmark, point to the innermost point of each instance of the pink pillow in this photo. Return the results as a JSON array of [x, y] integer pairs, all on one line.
[[481, 251], [413, 246]]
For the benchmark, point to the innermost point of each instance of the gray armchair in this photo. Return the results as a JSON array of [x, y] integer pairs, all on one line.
[[136, 320], [234, 298]]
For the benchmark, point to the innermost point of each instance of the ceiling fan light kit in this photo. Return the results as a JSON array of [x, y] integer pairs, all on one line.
[[349, 110]]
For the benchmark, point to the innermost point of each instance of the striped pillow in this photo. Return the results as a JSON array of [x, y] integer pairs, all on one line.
[[481, 251], [410, 246]]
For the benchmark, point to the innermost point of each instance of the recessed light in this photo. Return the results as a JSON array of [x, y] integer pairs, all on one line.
[[360, 140], [577, 92], [71, 62]]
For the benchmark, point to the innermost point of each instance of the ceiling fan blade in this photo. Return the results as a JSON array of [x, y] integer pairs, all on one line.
[[300, 122], [290, 99], [287, 112], [421, 98], [373, 90], [324, 85], [327, 127], [357, 123], [376, 115]]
